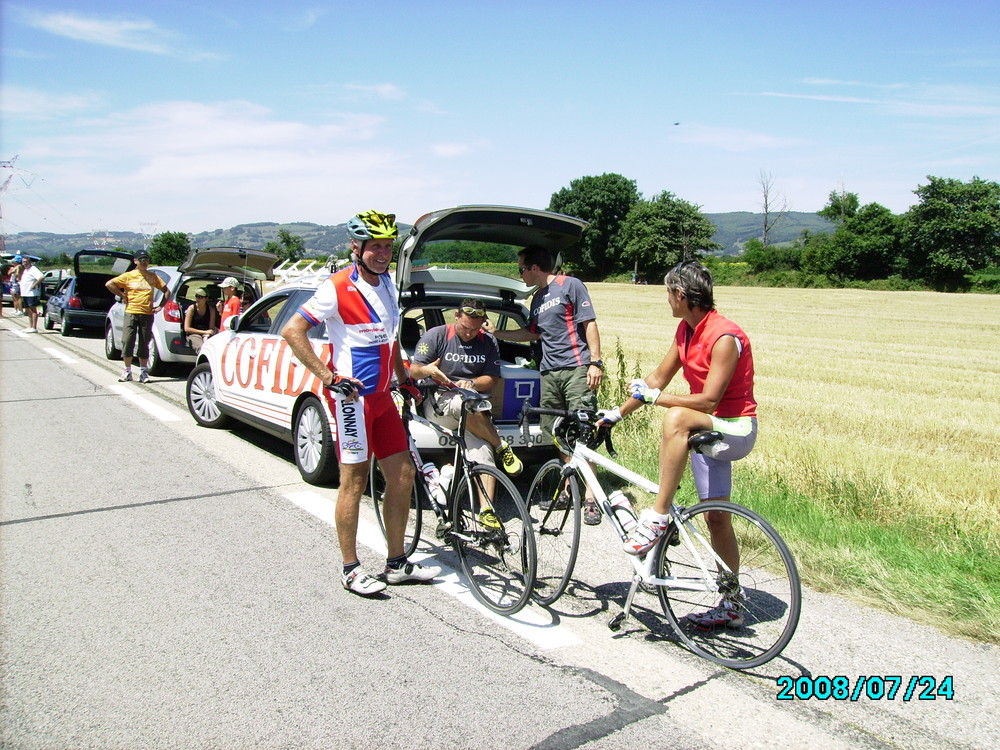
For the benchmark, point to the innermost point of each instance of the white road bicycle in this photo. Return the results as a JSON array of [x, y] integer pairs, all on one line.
[[498, 562], [683, 568]]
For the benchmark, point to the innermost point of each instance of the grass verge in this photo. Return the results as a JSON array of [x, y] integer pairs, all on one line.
[[942, 571]]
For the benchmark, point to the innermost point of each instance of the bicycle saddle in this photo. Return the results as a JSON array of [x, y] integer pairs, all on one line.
[[703, 438]]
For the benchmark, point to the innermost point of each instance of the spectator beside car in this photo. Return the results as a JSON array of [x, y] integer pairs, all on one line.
[[230, 305], [461, 353], [136, 288], [15, 288], [29, 280], [562, 318], [199, 320], [4, 284]]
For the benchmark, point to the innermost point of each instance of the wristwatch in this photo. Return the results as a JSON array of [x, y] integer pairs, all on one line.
[[597, 363]]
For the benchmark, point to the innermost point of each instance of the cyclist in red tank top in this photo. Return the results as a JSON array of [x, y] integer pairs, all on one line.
[[716, 359]]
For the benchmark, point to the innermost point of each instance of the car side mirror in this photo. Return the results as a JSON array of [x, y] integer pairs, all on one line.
[[232, 322]]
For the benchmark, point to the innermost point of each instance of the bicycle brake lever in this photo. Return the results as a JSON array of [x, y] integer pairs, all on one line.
[[609, 445]]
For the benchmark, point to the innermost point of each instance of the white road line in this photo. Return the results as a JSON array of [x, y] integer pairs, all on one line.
[[531, 623], [60, 356], [145, 404]]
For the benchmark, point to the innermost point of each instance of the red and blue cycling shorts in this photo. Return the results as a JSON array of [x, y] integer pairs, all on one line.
[[369, 426]]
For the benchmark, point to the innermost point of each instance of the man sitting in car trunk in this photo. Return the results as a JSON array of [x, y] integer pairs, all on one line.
[[461, 353]]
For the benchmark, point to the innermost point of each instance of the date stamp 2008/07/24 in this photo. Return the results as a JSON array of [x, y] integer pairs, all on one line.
[[869, 687]]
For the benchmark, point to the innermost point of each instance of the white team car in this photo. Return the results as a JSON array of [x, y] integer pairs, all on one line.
[[248, 373]]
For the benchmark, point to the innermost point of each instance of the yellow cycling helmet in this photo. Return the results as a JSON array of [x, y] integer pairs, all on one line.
[[373, 225]]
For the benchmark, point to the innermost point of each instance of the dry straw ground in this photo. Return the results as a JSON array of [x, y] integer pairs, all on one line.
[[890, 398]]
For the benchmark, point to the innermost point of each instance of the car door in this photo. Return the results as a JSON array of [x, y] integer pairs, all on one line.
[[57, 300], [259, 376]]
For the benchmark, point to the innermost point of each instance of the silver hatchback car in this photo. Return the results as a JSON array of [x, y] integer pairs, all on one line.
[[204, 268]]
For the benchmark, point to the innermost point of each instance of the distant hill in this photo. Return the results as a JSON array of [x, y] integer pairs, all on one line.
[[319, 240], [733, 229]]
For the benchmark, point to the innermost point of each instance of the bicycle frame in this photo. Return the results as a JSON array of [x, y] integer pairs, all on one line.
[[461, 463], [580, 460], [762, 600]]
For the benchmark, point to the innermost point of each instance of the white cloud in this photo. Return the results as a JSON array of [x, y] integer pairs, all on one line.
[[733, 139], [305, 19], [863, 84], [385, 91], [448, 150], [139, 34], [193, 166], [821, 97], [17, 101]]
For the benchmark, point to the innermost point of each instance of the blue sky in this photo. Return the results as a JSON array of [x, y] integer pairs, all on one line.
[[200, 115]]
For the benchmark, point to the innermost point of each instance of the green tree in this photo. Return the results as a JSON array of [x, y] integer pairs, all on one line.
[[663, 231], [169, 248], [865, 246], [603, 201], [953, 231], [287, 247], [762, 258], [840, 207]]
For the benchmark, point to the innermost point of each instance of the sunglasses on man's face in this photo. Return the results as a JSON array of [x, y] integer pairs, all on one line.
[[521, 269], [473, 312]]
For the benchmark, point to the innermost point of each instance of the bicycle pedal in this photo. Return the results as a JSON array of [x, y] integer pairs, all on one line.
[[615, 623], [442, 530]]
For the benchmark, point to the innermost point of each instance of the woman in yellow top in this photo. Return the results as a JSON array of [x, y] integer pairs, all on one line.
[[136, 288]]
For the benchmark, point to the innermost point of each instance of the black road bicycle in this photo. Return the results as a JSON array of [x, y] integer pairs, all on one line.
[[497, 554]]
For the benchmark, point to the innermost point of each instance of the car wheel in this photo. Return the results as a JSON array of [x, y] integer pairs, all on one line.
[[312, 442], [64, 326], [201, 398], [110, 350], [154, 363], [49, 323]]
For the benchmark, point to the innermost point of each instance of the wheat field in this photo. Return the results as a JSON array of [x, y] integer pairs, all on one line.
[[891, 399]]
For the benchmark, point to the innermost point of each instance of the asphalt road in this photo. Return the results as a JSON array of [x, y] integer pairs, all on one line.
[[167, 586]]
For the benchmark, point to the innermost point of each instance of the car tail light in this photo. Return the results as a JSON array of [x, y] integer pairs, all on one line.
[[74, 303], [172, 312]]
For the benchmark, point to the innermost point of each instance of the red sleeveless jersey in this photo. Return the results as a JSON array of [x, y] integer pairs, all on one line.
[[695, 349]]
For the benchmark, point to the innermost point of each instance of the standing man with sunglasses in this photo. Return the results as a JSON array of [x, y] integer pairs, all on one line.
[[562, 317], [463, 354]]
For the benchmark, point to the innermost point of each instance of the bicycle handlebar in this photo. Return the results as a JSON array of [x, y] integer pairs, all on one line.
[[577, 424]]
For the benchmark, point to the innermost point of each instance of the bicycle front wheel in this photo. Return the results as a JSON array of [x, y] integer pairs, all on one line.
[[497, 555], [376, 488], [554, 506], [761, 602]]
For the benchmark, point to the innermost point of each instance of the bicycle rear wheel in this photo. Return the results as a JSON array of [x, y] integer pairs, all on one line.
[[556, 527], [376, 488], [499, 563], [768, 597]]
